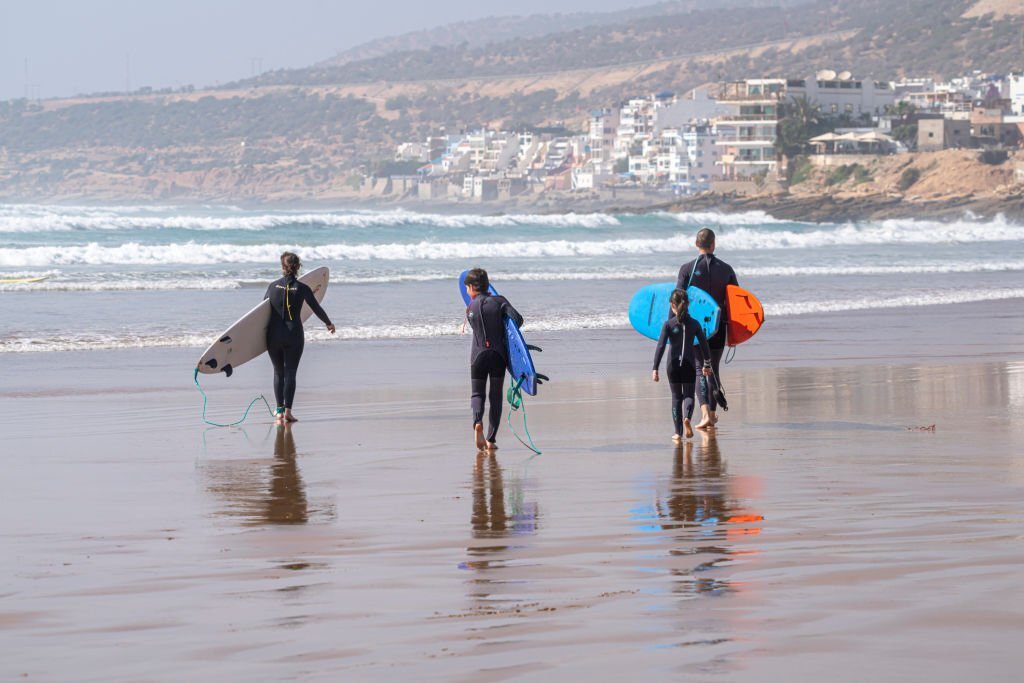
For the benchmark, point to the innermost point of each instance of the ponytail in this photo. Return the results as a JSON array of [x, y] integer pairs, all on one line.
[[290, 264]]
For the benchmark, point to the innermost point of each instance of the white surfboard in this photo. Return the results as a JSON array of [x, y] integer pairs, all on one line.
[[247, 338]]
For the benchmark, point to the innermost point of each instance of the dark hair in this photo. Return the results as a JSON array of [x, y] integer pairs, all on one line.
[[477, 278], [290, 264], [705, 238], [679, 299]]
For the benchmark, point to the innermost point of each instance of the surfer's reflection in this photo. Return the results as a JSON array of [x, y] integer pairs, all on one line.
[[494, 520], [704, 518], [248, 491], [286, 502]]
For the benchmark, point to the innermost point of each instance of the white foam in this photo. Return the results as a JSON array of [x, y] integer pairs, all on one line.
[[902, 301], [896, 231], [714, 219], [193, 253], [124, 285], [36, 219]]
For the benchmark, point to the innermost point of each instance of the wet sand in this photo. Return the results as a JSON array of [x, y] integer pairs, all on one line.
[[814, 535]]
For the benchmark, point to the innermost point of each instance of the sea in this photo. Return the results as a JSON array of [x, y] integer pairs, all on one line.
[[171, 276]]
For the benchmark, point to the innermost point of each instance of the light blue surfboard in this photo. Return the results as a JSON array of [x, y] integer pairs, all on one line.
[[520, 363], [648, 309]]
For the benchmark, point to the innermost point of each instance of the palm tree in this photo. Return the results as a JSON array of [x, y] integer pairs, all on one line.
[[801, 120]]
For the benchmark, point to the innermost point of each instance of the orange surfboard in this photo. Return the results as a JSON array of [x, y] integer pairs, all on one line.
[[746, 315]]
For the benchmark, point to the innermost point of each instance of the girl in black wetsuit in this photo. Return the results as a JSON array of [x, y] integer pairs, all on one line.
[[679, 331], [285, 338]]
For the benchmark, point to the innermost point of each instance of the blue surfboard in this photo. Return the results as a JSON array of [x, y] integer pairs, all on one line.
[[648, 309], [520, 363]]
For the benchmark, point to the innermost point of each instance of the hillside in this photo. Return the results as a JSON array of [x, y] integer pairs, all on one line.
[[309, 132], [475, 34]]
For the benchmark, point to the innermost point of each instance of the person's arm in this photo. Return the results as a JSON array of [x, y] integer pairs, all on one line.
[[659, 350], [310, 299], [511, 313], [684, 275], [270, 288]]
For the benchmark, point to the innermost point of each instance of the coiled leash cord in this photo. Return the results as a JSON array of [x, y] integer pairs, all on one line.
[[515, 402], [195, 378]]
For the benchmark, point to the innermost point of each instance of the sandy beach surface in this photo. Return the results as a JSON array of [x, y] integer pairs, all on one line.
[[826, 531]]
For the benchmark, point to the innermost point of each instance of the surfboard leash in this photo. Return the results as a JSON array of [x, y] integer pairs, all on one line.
[[515, 402], [261, 397]]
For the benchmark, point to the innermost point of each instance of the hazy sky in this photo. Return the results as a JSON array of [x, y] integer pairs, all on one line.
[[77, 46]]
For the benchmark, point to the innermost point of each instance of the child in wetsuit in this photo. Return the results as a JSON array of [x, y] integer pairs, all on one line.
[[488, 358], [679, 331], [285, 336]]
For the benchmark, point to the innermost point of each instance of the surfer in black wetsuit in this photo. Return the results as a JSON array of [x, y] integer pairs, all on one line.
[[683, 359], [489, 355], [285, 338], [713, 275]]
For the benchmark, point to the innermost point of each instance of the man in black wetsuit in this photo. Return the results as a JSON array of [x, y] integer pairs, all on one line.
[[285, 337], [489, 354], [713, 275]]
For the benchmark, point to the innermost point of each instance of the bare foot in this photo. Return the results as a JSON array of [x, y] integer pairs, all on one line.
[[687, 429], [705, 418], [478, 434], [491, 446], [714, 419], [677, 438], [288, 417]]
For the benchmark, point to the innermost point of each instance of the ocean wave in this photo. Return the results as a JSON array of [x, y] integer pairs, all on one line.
[[60, 281], [42, 220], [714, 219], [902, 301], [193, 253], [100, 342], [894, 231]]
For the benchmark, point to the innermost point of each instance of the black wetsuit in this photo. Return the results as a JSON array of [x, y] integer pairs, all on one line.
[[285, 339], [682, 363], [713, 275], [489, 356]]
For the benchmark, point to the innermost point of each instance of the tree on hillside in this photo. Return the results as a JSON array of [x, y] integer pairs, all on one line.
[[904, 123], [801, 120]]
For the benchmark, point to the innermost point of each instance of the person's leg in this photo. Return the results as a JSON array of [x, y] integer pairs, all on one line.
[[683, 376], [292, 356], [707, 394], [677, 409], [478, 389], [495, 396], [276, 353], [688, 389]]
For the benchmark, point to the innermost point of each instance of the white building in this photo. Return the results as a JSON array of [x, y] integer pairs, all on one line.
[[601, 139], [702, 152], [1016, 92], [842, 94]]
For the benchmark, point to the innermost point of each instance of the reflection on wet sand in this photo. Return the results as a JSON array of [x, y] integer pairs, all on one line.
[[249, 493], [493, 520], [703, 521]]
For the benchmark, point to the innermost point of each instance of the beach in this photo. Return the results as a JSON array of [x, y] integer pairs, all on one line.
[[855, 515]]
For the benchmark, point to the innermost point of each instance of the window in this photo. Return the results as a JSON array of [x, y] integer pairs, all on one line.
[[835, 108]]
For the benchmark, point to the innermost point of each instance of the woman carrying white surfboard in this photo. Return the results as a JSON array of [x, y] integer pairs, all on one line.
[[285, 336]]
